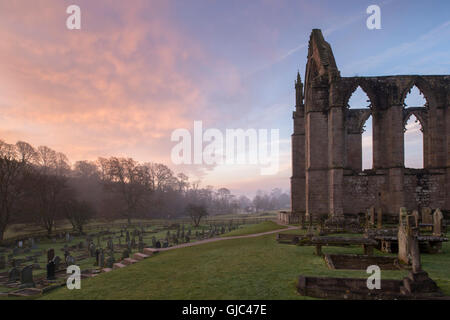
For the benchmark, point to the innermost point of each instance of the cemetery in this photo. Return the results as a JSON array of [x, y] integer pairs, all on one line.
[[36, 265]]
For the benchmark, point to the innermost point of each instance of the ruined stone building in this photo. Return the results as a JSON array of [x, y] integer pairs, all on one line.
[[327, 174]]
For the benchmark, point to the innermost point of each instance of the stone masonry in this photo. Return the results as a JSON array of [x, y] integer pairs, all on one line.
[[327, 176]]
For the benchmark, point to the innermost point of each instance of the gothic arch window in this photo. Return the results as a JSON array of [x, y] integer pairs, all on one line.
[[367, 144], [414, 143], [414, 98], [359, 100]]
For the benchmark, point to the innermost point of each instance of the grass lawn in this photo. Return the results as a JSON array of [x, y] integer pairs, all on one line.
[[251, 268], [254, 228]]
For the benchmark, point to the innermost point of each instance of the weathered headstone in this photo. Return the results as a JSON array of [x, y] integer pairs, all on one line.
[[14, 274], [92, 250], [50, 254], [415, 214], [57, 261], [97, 257], [125, 254], [101, 260], [426, 216], [70, 261], [110, 262], [110, 244], [26, 276], [51, 270], [403, 237], [438, 219]]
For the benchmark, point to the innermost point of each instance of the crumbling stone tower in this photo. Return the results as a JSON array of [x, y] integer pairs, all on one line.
[[327, 174]]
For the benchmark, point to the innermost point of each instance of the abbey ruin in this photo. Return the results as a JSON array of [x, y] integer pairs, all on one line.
[[328, 179]]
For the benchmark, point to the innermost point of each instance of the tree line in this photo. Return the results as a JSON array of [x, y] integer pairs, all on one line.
[[40, 186]]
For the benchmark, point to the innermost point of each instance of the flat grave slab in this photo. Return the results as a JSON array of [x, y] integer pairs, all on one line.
[[360, 262]]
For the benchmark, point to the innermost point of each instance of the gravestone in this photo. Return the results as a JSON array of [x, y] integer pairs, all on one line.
[[57, 261], [438, 219], [379, 218], [110, 245], [427, 218], [403, 237], [14, 275], [125, 254], [34, 246], [70, 261], [110, 262], [415, 214], [50, 254], [92, 250], [97, 257], [26, 276], [101, 260], [51, 270], [20, 244]]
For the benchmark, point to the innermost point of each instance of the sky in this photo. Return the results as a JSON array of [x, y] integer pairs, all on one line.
[[138, 70]]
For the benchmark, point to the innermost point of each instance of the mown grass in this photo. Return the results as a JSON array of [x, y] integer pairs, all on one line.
[[252, 268], [254, 228]]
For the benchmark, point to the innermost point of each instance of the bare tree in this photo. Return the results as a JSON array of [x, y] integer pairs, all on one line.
[[14, 170], [78, 213], [48, 195], [125, 178], [196, 212]]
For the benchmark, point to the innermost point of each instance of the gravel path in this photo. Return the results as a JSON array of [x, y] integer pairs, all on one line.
[[191, 244]]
